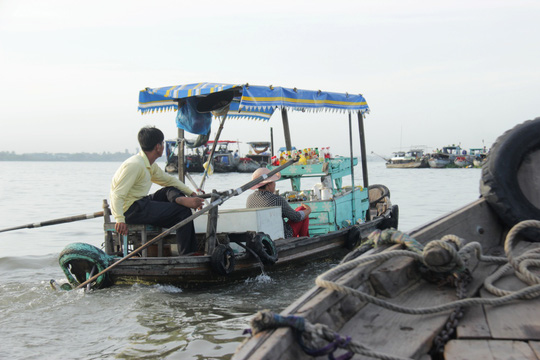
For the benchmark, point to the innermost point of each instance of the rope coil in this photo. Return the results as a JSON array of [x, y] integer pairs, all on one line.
[[460, 256]]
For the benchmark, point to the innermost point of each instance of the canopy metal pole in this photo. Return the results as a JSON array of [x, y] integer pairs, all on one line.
[[272, 141], [286, 130], [352, 169], [363, 152], [180, 143]]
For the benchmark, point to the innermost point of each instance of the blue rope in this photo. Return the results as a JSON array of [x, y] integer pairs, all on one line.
[[339, 342], [297, 323]]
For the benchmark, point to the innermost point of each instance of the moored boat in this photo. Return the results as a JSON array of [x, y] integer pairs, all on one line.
[[445, 157], [235, 244], [464, 286], [260, 151], [480, 160], [193, 158], [412, 159], [463, 161], [479, 156], [224, 160]]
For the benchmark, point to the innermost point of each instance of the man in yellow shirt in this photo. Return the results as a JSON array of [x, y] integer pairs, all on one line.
[[130, 202]]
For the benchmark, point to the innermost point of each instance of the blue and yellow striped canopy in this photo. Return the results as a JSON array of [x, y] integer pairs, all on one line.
[[257, 102]]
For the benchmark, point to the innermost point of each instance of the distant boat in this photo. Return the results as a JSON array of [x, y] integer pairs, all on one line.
[[463, 161], [193, 158], [445, 157], [479, 156], [480, 160], [411, 159], [224, 159], [261, 152]]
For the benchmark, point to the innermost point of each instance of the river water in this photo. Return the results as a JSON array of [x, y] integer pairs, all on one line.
[[153, 322]]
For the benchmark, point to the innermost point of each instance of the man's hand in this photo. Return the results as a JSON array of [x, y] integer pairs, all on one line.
[[121, 228], [192, 202]]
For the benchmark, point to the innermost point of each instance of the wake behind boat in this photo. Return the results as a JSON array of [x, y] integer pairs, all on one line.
[[236, 244], [464, 286]]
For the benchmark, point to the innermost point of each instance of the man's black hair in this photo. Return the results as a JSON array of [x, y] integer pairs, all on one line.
[[149, 137]]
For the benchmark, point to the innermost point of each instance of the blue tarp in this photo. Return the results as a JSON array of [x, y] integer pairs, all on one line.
[[254, 102]]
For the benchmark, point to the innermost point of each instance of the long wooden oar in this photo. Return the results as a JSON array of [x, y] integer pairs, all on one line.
[[56, 221], [224, 197]]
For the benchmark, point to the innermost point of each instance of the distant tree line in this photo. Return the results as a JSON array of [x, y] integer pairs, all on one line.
[[105, 156]]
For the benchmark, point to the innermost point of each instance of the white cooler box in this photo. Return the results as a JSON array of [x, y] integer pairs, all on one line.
[[267, 220]]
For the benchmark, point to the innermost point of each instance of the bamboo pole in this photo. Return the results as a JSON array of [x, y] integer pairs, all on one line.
[[56, 221], [224, 197], [211, 156]]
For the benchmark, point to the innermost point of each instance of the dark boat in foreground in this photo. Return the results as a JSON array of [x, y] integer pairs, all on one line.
[[236, 244], [463, 286]]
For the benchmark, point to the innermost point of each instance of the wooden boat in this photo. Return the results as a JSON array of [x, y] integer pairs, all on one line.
[[223, 159], [412, 159], [403, 303], [261, 152], [463, 161], [445, 157], [480, 160], [479, 156], [193, 159], [236, 244]]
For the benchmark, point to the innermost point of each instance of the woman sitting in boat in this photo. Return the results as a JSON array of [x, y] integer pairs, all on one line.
[[298, 220]]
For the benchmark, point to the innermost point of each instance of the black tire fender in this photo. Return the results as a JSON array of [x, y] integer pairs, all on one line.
[[262, 245], [394, 217], [77, 260], [223, 259], [384, 190], [393, 220], [510, 177], [353, 238]]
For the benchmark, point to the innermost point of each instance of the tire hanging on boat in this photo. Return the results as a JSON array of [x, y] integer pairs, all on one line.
[[77, 261], [223, 260], [353, 238], [393, 220], [384, 192], [510, 178], [262, 245]]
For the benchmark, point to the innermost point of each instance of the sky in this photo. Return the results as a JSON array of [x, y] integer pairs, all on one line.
[[433, 73]]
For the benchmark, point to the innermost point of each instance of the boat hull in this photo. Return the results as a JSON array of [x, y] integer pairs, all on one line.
[[407, 165], [395, 280], [439, 163], [198, 271]]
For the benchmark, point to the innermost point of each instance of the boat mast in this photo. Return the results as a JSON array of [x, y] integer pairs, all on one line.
[[352, 170], [363, 153]]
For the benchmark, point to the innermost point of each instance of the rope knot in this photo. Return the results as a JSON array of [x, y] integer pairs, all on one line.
[[393, 236], [267, 319]]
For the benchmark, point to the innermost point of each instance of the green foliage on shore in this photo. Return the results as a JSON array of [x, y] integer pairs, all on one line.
[[105, 156]]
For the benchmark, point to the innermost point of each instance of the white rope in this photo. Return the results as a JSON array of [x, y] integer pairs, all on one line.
[[519, 264]]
